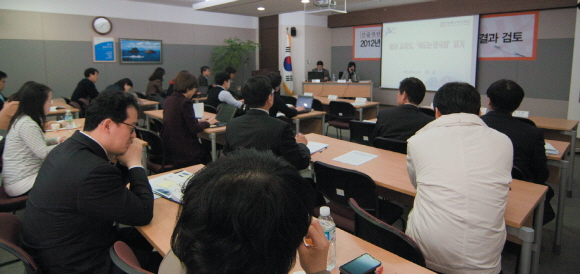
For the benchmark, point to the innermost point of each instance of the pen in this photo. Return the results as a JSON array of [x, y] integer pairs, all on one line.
[[322, 150]]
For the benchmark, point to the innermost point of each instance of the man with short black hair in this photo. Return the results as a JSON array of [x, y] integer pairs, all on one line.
[[79, 194], [462, 171], [203, 79], [220, 94], [320, 68], [235, 91], [256, 129], [505, 96], [403, 121], [86, 88]]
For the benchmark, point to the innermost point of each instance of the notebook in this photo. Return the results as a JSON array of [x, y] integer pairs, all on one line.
[[225, 114], [305, 102], [198, 110]]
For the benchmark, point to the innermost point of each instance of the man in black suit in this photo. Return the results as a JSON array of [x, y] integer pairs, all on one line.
[[203, 79], [86, 88], [68, 225], [256, 129], [320, 68], [403, 121], [505, 96]]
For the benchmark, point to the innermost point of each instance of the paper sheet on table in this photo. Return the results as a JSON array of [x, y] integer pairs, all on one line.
[[315, 146], [550, 149], [198, 109], [358, 104], [355, 157], [369, 121], [169, 186]]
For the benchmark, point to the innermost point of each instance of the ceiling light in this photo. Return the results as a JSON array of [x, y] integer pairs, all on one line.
[[305, 1], [261, 8], [207, 4]]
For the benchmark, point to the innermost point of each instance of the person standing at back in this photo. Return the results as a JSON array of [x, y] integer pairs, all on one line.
[[403, 121], [505, 96], [86, 88], [155, 90], [462, 171]]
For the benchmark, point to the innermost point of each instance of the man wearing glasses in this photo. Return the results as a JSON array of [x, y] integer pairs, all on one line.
[[80, 193]]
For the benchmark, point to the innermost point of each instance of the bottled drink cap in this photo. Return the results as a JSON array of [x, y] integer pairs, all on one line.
[[68, 110], [324, 211]]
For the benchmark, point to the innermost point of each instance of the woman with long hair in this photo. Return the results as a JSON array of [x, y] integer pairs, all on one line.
[[155, 90], [26, 147]]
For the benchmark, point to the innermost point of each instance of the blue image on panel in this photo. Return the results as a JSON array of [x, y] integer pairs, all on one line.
[[105, 51], [146, 51]]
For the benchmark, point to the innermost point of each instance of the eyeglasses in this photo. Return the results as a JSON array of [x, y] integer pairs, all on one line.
[[132, 127]]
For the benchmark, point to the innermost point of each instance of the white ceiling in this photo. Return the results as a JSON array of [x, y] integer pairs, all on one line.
[[249, 7]]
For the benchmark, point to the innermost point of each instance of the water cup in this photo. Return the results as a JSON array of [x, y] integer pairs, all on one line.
[[55, 127]]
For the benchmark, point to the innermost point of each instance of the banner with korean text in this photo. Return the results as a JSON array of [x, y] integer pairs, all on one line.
[[509, 36], [367, 43]]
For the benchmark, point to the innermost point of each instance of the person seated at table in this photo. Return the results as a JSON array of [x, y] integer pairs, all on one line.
[[180, 127], [79, 196], [320, 68], [220, 94], [279, 104], [154, 89], [350, 73], [256, 129], [86, 88], [124, 84], [504, 97], [10, 108], [26, 147], [462, 171], [233, 89], [247, 212], [403, 121]]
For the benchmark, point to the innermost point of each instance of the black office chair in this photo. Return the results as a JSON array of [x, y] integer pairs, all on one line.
[[375, 231], [340, 74], [155, 151], [11, 204], [340, 184], [317, 105], [520, 174], [140, 95], [390, 144], [361, 132], [156, 125], [10, 228], [526, 120], [209, 108], [124, 258], [427, 111], [289, 99], [339, 115]]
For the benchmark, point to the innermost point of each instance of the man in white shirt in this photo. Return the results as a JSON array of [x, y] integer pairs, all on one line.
[[220, 94], [462, 171]]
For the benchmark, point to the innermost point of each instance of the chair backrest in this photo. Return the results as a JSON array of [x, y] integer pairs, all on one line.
[[427, 111], [140, 95], [288, 99], [317, 105], [340, 110], [526, 120], [520, 174], [11, 204], [390, 144], [156, 125], [209, 108], [377, 232], [66, 100], [155, 151], [10, 228], [340, 74], [124, 258], [340, 184], [360, 132]]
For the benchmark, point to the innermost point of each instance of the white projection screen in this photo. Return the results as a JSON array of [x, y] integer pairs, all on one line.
[[436, 51]]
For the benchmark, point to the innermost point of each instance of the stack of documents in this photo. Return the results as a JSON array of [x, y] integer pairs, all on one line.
[[316, 147], [169, 186], [550, 150]]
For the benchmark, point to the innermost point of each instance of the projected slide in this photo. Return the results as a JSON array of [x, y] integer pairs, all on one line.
[[436, 51]]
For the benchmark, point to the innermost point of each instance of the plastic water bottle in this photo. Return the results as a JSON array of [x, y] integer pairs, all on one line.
[[333, 77], [329, 227], [69, 119]]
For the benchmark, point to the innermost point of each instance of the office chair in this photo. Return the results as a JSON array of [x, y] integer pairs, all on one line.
[[155, 151], [317, 105], [289, 99], [66, 100], [339, 116], [427, 111], [520, 174], [156, 125], [340, 184], [124, 258], [209, 108], [390, 144], [340, 74], [140, 95], [361, 132], [375, 231], [10, 228], [78, 106], [11, 204]]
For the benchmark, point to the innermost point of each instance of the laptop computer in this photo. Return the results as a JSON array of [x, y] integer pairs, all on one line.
[[315, 75], [225, 114], [305, 102]]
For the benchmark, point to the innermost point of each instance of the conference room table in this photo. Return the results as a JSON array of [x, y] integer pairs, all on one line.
[[367, 110], [79, 124], [147, 103], [59, 107], [389, 171], [348, 246], [311, 122]]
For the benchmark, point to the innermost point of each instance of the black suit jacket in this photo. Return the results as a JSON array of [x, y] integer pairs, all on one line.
[[85, 89], [401, 122], [280, 106], [528, 142], [202, 80], [78, 194], [256, 129]]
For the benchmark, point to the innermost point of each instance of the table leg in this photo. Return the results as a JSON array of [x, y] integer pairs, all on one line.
[[526, 234], [571, 159], [212, 136], [322, 126], [538, 224], [360, 114], [297, 123], [561, 203], [147, 121], [76, 114]]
